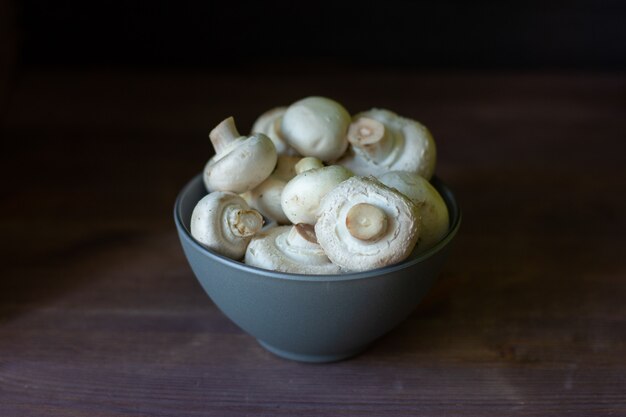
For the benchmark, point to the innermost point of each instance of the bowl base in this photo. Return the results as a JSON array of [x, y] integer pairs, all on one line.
[[301, 357]]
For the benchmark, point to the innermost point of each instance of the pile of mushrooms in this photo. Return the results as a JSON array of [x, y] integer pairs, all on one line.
[[315, 191]]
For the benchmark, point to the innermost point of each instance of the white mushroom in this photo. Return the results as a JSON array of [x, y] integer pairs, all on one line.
[[266, 199], [286, 167], [308, 163], [432, 209], [240, 163], [269, 124], [382, 141], [266, 196], [223, 222], [301, 196], [317, 126], [292, 249], [364, 225]]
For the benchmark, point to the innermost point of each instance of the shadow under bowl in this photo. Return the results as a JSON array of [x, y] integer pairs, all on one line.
[[312, 318]]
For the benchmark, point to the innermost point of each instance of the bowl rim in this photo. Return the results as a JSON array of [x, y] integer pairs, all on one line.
[[452, 204]]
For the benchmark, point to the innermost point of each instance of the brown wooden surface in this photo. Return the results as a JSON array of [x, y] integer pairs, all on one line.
[[101, 316]]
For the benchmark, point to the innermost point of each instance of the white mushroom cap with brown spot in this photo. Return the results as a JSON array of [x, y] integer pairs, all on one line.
[[364, 225]]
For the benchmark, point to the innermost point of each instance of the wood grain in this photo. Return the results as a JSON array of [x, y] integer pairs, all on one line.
[[101, 316]]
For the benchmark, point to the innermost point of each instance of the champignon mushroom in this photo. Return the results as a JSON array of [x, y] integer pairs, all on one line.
[[301, 196], [266, 199], [240, 163], [316, 126], [382, 141], [286, 167], [432, 209], [223, 222], [308, 163], [364, 224], [266, 196], [269, 124], [292, 249]]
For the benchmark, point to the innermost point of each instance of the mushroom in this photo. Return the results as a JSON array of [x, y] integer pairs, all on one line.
[[266, 196], [223, 222], [301, 196], [432, 209], [382, 141], [316, 126], [292, 249], [308, 163], [269, 124], [286, 167], [266, 199], [364, 224], [240, 163]]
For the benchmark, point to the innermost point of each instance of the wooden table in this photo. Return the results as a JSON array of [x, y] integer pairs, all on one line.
[[100, 314]]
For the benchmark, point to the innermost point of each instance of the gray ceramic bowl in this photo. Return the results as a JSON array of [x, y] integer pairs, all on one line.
[[310, 318]]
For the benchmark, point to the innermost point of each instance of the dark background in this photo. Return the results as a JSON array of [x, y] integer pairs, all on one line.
[[248, 36], [321, 37]]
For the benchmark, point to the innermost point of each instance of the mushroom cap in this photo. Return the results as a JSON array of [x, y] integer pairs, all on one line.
[[307, 163], [317, 126], [266, 199], [406, 146], [242, 165], [266, 196], [301, 196], [392, 242], [286, 167], [432, 209], [269, 124], [291, 249], [223, 222]]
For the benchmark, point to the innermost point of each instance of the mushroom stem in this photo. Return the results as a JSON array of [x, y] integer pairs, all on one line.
[[370, 136], [308, 163], [223, 134], [365, 131], [244, 223], [366, 222]]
